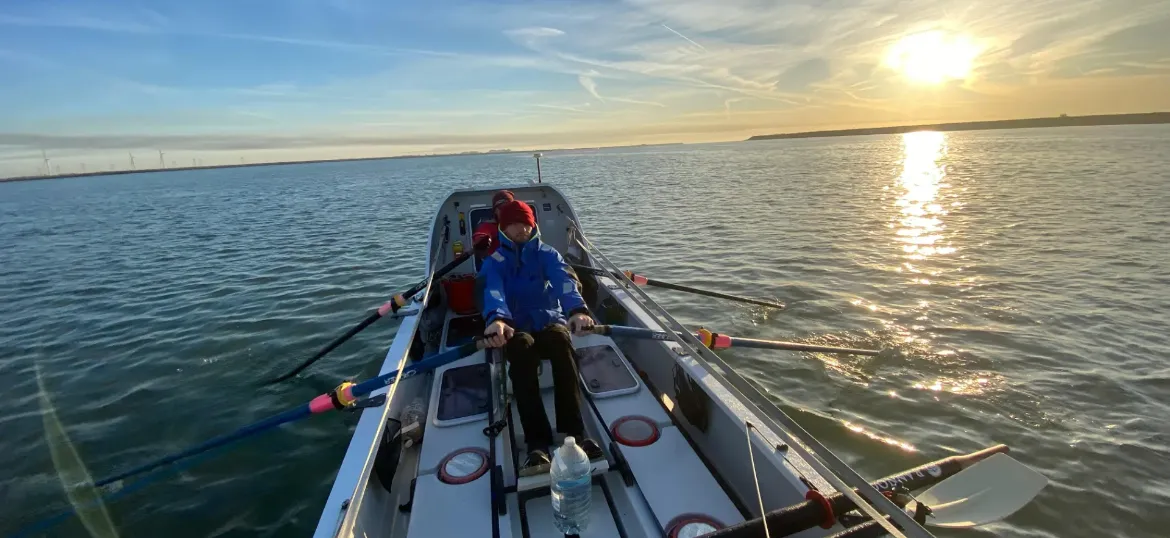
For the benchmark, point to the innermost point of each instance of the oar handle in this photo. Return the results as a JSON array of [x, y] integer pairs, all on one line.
[[347, 393], [342, 397], [869, 529]]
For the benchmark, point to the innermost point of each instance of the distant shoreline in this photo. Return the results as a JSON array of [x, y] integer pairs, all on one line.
[[314, 161], [1027, 123]]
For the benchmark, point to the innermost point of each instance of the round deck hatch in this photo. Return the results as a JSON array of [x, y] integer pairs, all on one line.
[[634, 430], [463, 466], [692, 526]]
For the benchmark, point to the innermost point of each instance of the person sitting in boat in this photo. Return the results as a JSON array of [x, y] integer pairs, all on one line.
[[528, 293], [484, 238]]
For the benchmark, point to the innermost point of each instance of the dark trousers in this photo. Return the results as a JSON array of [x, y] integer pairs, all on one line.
[[524, 354]]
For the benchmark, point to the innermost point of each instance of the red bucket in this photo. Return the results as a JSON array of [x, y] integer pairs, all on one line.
[[460, 294]]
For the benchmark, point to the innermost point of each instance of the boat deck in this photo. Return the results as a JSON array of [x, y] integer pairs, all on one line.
[[682, 447], [638, 490]]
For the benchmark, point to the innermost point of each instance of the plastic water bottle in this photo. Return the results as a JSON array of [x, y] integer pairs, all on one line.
[[571, 482], [412, 418]]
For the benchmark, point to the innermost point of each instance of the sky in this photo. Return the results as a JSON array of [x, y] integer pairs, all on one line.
[[91, 81]]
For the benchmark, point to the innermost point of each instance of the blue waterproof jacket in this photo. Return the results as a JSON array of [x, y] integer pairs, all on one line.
[[528, 285]]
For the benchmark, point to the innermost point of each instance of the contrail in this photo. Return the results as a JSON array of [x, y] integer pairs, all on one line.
[[689, 40]]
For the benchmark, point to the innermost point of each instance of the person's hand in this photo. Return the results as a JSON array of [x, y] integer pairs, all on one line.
[[497, 334], [581, 324]]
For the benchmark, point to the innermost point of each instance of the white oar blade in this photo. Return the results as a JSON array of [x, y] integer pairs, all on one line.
[[988, 491], [75, 478]]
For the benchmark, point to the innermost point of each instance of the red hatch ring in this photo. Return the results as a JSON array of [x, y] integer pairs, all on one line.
[[677, 525], [621, 431], [463, 478]]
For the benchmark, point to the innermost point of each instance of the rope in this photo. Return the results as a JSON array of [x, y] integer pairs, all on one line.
[[747, 431]]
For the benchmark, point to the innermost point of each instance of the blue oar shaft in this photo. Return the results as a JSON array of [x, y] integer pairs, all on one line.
[[722, 341], [319, 404], [273, 421]]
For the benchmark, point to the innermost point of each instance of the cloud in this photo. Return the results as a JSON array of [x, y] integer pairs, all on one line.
[[80, 21], [311, 67], [804, 74], [580, 109], [533, 32], [689, 40], [587, 82], [635, 101]]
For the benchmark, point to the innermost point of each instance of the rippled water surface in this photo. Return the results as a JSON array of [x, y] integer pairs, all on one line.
[[1025, 275]]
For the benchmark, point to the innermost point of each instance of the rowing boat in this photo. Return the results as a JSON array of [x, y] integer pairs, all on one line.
[[691, 448]]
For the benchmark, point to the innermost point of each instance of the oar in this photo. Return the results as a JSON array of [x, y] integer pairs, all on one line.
[[75, 478], [343, 396], [988, 491], [823, 510], [722, 341], [391, 306], [644, 281]]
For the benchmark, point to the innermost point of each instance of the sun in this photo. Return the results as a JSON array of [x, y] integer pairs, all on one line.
[[933, 57]]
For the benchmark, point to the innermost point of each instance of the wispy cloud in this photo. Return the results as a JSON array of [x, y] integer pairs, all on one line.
[[635, 101], [81, 21], [536, 31], [689, 40], [587, 82], [579, 109], [678, 65]]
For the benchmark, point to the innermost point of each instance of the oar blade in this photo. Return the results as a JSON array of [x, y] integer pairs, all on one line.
[[75, 478], [988, 491]]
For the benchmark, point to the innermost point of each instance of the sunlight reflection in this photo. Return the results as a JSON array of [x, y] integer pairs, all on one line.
[[920, 223], [975, 385], [876, 437]]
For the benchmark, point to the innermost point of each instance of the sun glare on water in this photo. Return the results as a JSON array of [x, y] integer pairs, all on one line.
[[933, 57]]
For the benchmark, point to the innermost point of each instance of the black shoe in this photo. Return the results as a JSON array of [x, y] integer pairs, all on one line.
[[592, 449], [537, 459]]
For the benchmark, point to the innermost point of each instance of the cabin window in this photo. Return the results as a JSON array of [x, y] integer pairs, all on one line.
[[465, 391], [604, 371]]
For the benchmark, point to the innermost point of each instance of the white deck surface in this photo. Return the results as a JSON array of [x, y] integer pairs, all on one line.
[[540, 519]]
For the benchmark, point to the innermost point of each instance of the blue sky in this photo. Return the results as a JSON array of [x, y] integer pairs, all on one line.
[[89, 81]]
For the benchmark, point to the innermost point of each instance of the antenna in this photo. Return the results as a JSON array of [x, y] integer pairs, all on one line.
[[537, 155]]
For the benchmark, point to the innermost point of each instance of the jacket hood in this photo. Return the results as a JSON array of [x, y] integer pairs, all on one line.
[[533, 241]]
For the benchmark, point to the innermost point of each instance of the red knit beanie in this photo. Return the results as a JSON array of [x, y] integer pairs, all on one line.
[[501, 198], [514, 212]]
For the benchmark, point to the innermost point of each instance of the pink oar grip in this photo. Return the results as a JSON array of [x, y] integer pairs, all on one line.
[[386, 308], [722, 341], [321, 404]]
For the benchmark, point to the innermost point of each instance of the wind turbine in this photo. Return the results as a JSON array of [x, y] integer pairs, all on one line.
[[132, 161]]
